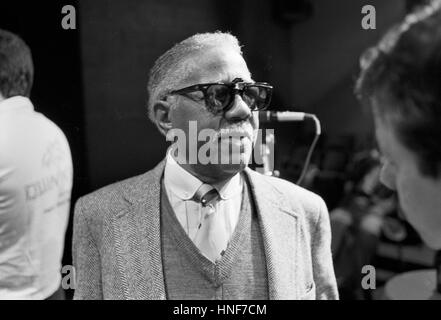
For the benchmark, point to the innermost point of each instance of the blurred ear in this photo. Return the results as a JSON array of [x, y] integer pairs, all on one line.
[[161, 113]]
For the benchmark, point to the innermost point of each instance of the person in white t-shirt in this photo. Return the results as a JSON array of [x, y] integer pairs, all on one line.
[[35, 183]]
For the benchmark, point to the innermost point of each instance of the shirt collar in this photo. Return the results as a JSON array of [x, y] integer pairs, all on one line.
[[184, 185], [16, 103], [230, 188]]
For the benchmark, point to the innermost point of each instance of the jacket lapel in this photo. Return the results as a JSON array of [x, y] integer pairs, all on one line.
[[279, 225], [139, 239], [138, 243]]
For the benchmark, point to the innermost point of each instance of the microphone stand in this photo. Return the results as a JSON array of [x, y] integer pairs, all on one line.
[[287, 116], [438, 271], [266, 154]]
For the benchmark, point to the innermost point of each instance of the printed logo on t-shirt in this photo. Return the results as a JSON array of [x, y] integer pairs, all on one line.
[[56, 162]]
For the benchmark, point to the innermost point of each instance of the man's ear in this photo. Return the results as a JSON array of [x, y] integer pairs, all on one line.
[[161, 113]]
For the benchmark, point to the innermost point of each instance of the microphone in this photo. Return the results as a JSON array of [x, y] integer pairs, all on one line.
[[281, 116], [290, 116]]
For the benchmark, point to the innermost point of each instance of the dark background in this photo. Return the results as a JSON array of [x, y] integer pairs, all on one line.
[[92, 81]]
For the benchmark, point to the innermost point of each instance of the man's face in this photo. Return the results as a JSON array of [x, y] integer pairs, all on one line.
[[419, 196], [217, 65]]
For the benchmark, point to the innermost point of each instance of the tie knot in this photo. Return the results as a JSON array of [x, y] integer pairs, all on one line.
[[205, 194]]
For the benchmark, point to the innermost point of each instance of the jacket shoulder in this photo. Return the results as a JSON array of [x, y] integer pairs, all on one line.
[[308, 199], [109, 195], [302, 201], [111, 199]]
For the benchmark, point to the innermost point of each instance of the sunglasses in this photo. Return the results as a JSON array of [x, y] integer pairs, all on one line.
[[219, 97]]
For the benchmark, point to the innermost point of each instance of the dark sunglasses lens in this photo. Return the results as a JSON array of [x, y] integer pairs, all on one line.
[[257, 97], [218, 96]]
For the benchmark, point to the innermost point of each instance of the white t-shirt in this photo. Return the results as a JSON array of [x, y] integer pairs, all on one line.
[[36, 178]]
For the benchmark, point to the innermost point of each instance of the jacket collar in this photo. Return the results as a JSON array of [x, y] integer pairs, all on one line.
[[280, 231]]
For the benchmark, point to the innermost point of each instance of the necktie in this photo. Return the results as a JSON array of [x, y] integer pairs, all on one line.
[[212, 237]]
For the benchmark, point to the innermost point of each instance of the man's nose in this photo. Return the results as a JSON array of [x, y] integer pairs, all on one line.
[[239, 111], [387, 176]]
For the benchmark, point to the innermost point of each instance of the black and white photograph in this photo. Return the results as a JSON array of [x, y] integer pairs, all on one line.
[[237, 151]]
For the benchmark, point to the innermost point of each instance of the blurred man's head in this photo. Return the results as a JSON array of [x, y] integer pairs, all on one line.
[[401, 81], [16, 67], [175, 99]]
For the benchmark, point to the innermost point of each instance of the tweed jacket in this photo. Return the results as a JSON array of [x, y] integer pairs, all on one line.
[[117, 245]]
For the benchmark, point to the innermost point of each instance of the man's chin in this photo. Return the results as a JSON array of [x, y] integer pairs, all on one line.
[[219, 172], [226, 167], [232, 168]]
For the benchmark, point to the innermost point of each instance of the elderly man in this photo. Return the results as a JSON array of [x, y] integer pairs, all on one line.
[[194, 230], [400, 80]]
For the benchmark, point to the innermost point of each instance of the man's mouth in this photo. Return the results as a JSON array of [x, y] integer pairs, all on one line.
[[233, 134]]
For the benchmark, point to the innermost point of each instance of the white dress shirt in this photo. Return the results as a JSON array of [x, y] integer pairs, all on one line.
[[181, 187], [35, 188]]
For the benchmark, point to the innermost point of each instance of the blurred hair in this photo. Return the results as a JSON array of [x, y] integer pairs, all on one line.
[[176, 64], [16, 67], [400, 80]]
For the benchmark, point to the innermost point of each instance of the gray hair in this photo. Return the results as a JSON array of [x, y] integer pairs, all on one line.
[[174, 66]]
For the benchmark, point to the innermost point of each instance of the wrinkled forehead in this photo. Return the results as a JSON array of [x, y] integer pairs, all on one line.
[[215, 65]]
